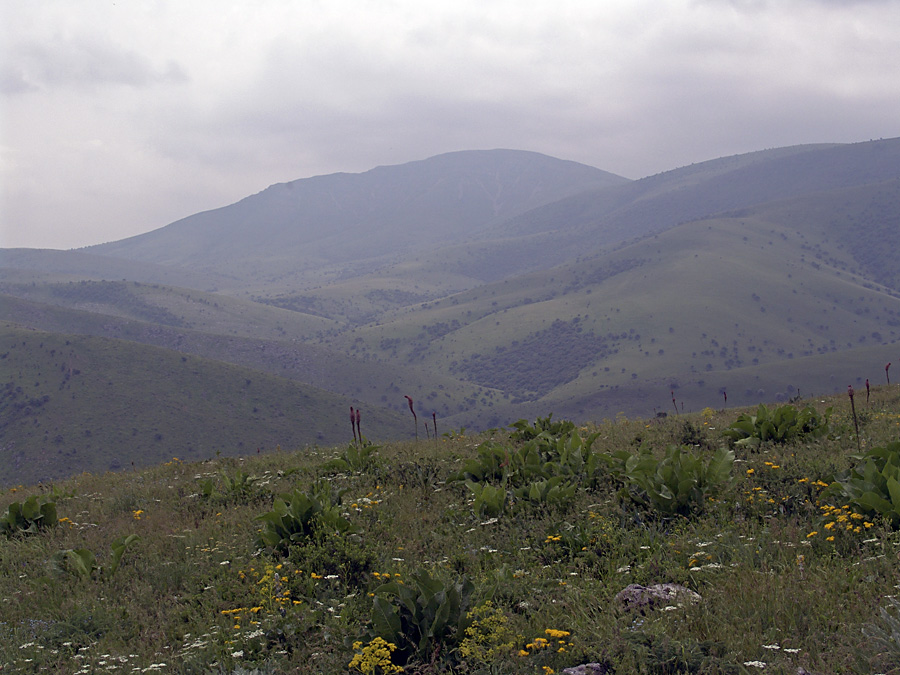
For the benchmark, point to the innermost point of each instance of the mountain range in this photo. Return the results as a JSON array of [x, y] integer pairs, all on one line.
[[486, 285]]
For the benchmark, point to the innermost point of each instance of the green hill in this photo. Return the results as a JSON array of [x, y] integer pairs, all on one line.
[[72, 403], [530, 285]]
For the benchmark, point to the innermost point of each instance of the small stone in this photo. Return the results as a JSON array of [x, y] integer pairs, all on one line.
[[588, 669], [635, 597]]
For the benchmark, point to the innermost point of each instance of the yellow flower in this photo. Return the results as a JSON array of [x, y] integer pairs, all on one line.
[[750, 472], [829, 525], [831, 538], [812, 534], [557, 633]]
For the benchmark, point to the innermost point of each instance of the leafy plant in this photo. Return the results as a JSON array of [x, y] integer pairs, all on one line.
[[525, 430], [240, 487], [422, 615], [779, 425], [490, 501], [873, 485], [29, 517], [555, 490], [83, 562], [354, 458], [541, 457], [680, 482], [298, 517]]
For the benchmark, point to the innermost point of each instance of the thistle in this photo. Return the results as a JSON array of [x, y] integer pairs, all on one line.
[[867, 391], [353, 424], [887, 373], [434, 422], [358, 428], [415, 418], [673, 401]]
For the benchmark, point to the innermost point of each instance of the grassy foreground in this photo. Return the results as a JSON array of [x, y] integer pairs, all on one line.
[[785, 580]]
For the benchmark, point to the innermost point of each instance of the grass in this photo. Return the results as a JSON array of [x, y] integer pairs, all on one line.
[[195, 595]]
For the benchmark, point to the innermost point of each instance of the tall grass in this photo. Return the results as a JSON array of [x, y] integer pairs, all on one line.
[[195, 594]]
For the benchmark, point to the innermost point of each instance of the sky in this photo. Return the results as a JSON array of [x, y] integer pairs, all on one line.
[[117, 118]]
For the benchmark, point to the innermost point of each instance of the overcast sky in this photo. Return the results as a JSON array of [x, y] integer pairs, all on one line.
[[120, 117]]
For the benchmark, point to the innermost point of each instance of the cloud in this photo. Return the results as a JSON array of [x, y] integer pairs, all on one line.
[[84, 62], [158, 110]]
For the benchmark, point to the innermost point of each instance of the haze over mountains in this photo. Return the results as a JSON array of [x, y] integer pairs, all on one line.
[[488, 285]]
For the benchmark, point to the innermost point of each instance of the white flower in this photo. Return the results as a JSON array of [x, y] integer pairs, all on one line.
[[238, 654], [771, 646], [755, 664]]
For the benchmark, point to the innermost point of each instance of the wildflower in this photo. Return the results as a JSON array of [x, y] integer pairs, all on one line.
[[750, 472], [755, 664], [812, 534], [138, 514], [831, 538]]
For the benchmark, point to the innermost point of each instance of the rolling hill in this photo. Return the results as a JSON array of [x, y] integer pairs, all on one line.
[[494, 285], [75, 403]]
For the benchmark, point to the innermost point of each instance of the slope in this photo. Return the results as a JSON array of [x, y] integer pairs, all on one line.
[[673, 311], [72, 403]]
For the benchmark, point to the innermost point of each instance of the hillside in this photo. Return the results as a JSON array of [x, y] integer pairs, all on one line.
[[549, 555], [76, 403], [494, 285]]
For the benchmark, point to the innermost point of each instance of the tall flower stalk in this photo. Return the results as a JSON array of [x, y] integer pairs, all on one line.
[[855, 422], [415, 417]]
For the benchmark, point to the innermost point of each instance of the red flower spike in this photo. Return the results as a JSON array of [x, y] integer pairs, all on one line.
[[415, 417]]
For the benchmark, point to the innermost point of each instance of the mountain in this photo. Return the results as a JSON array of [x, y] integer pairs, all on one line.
[[495, 285], [318, 224]]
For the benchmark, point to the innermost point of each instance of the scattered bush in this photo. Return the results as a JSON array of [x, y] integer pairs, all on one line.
[[29, 517], [422, 615], [781, 425], [680, 483], [873, 486], [299, 517]]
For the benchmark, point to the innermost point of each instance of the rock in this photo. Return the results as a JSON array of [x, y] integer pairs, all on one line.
[[588, 669], [635, 597]]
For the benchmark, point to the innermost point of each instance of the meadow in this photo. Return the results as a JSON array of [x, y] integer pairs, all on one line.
[[500, 552]]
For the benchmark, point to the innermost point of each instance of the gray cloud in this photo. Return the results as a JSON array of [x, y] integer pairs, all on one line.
[[82, 63], [134, 116]]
